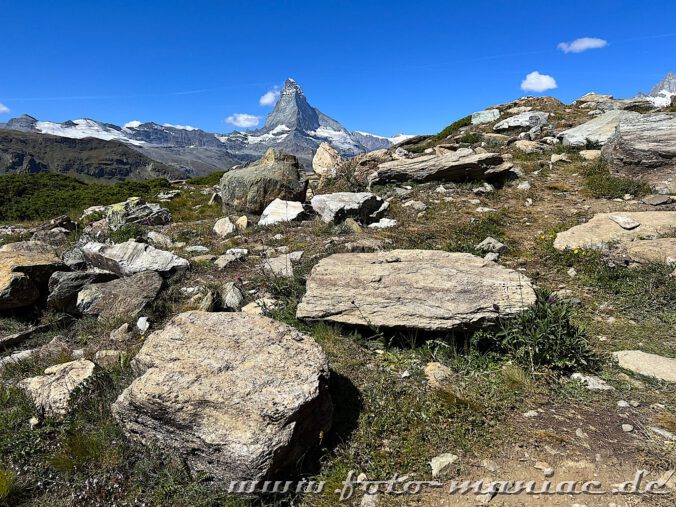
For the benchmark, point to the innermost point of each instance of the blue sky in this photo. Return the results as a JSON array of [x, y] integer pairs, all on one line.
[[384, 67]]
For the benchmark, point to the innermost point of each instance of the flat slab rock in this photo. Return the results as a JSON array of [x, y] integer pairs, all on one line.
[[24, 276], [451, 166], [416, 289], [131, 257], [279, 211], [646, 251], [597, 131], [650, 365], [336, 207], [602, 231], [237, 396], [124, 297]]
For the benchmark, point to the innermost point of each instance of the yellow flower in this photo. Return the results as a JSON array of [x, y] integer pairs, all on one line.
[[576, 251]]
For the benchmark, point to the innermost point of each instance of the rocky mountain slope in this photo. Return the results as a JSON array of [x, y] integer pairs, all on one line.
[[294, 126], [29, 152]]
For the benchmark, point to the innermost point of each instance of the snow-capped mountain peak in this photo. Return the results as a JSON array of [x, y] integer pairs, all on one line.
[[662, 92]]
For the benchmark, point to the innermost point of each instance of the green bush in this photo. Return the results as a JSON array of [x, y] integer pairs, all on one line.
[[601, 184], [543, 337], [453, 128], [46, 195], [127, 232]]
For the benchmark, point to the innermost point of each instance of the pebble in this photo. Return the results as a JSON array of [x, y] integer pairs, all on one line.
[[627, 428]]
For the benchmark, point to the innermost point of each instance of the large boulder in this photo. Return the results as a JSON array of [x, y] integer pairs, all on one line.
[[603, 231], [527, 120], [648, 251], [136, 211], [335, 208], [597, 131], [52, 392], [326, 160], [24, 276], [237, 396], [416, 289], [65, 285], [485, 116], [131, 257], [644, 147], [275, 176], [450, 166], [125, 297]]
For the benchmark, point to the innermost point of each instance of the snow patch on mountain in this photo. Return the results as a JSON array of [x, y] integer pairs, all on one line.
[[84, 127]]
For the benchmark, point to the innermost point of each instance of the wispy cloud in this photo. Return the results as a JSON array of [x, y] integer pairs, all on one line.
[[243, 120], [582, 44], [270, 97], [536, 82], [3, 108]]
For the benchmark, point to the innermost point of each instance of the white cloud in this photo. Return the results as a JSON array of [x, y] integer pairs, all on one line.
[[270, 97], [583, 44], [3, 108], [180, 127], [536, 82], [243, 120], [132, 124]]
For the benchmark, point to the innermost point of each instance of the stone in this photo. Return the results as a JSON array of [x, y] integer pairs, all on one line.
[[160, 240], [260, 306], [125, 297], [230, 256], [416, 205], [491, 245], [136, 211], [656, 200], [644, 148], [275, 176], [414, 289], [592, 382], [448, 167], [231, 297], [590, 155], [625, 222], [648, 251], [108, 359], [198, 249], [525, 120], [121, 334], [601, 232], [559, 157], [142, 324], [485, 116], [649, 365], [524, 185], [529, 147], [51, 392], [362, 206], [53, 237], [65, 285], [437, 375], [131, 257], [279, 211], [224, 227], [282, 265], [242, 223], [236, 396], [24, 276], [627, 428], [440, 464], [383, 223], [326, 160], [496, 139], [596, 131]]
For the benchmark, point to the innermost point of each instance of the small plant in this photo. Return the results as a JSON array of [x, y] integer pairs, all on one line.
[[470, 138], [466, 235], [542, 337], [453, 128], [209, 180], [7, 484], [127, 232], [601, 184]]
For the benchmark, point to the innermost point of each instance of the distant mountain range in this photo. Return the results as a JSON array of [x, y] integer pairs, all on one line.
[[294, 126], [662, 92]]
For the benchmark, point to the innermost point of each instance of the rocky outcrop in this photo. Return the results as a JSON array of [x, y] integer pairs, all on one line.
[[644, 147], [602, 231], [131, 257], [279, 211], [597, 131], [125, 297], [648, 251], [65, 285], [275, 176], [52, 391], [650, 365], [485, 116], [527, 120], [416, 289], [136, 211], [237, 396], [451, 166], [326, 160], [335, 208], [24, 276]]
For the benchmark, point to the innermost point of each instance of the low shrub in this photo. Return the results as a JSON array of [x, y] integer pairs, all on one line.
[[601, 184]]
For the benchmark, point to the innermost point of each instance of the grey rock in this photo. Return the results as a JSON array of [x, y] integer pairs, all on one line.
[[160, 240], [491, 245], [592, 382], [282, 265], [275, 176], [656, 200], [231, 297], [24, 276], [64, 287], [485, 116], [230, 256], [125, 297], [131, 257], [526, 120], [650, 365], [279, 211], [242, 398], [596, 131], [418, 289], [326, 160], [624, 221], [224, 227], [362, 206], [136, 211]]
